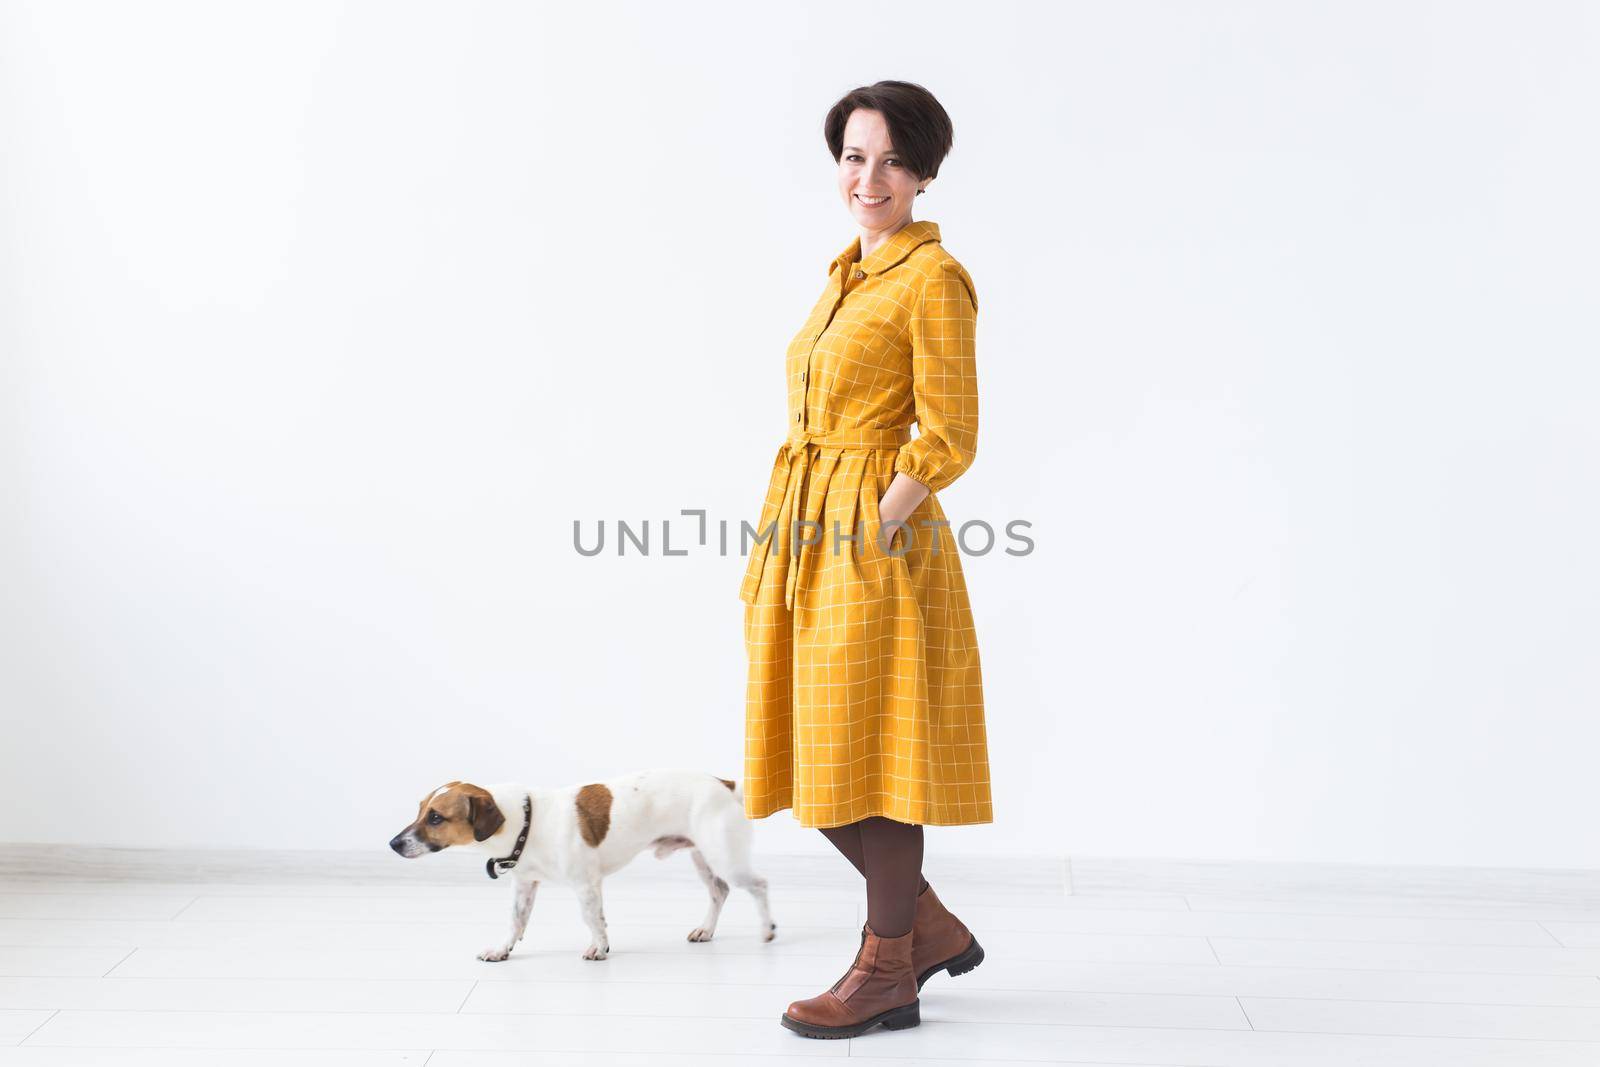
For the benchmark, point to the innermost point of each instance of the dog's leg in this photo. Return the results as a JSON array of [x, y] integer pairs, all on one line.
[[521, 908], [719, 893], [756, 886], [594, 914], [726, 844]]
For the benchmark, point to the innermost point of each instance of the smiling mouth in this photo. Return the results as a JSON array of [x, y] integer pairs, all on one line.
[[872, 201]]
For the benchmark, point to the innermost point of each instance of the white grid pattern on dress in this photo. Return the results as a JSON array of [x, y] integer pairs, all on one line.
[[865, 697]]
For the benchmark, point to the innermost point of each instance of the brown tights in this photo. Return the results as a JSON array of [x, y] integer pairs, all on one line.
[[889, 855]]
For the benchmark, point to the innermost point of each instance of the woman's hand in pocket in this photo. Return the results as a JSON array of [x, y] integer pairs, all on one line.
[[896, 505]]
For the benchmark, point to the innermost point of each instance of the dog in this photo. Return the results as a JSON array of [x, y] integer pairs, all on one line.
[[580, 834]]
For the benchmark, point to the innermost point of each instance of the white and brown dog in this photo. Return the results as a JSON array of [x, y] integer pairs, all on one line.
[[580, 834]]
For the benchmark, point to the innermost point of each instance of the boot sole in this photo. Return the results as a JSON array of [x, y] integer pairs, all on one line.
[[902, 1018], [958, 964]]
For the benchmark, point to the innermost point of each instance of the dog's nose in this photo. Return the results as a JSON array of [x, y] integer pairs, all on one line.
[[394, 843]]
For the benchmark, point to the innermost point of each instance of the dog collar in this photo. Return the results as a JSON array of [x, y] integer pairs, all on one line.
[[522, 839]]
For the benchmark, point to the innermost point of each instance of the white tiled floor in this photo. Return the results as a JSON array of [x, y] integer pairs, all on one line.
[[308, 960]]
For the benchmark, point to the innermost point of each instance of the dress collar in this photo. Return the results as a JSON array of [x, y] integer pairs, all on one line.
[[890, 252]]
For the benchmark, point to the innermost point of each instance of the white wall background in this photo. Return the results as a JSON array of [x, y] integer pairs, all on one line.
[[321, 323]]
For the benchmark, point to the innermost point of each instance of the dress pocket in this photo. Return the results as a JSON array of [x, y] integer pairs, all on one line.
[[872, 547]]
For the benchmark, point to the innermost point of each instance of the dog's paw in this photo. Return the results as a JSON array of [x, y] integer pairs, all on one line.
[[494, 955], [770, 932], [700, 933], [596, 952]]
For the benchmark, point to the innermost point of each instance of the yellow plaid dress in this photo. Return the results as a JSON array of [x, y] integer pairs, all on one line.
[[864, 695]]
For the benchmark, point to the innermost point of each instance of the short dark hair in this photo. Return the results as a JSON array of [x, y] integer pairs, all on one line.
[[918, 124]]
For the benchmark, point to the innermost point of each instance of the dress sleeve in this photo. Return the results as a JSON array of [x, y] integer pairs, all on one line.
[[944, 379]]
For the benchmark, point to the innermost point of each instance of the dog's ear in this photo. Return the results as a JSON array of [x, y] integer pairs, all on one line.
[[485, 816]]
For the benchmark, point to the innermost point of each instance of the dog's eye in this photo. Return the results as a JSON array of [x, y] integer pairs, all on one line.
[[434, 818]]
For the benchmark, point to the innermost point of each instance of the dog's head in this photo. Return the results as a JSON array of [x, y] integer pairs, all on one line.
[[457, 813]]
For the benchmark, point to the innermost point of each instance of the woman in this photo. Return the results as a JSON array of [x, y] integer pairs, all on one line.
[[864, 706]]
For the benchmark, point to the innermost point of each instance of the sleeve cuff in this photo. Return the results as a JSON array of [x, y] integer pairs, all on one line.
[[907, 464]]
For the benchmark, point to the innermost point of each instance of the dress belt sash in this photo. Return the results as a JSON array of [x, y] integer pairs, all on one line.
[[783, 497]]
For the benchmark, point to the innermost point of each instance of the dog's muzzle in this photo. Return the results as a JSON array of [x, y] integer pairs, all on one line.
[[407, 845]]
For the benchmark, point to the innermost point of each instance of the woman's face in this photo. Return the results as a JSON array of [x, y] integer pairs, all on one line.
[[874, 181]]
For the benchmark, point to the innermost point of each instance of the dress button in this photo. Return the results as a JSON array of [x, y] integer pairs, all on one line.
[[861, 274], [799, 415]]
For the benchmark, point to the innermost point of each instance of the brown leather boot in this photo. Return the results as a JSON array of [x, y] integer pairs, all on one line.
[[880, 987], [940, 941]]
